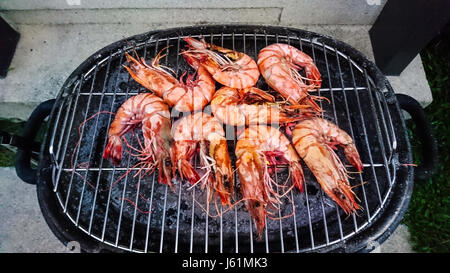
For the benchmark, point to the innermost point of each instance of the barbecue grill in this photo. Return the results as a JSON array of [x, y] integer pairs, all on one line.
[[85, 198]]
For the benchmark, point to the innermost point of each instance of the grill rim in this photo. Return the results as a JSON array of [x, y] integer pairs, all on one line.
[[364, 240]]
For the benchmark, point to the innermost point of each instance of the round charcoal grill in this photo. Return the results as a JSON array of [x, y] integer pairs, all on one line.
[[103, 207]]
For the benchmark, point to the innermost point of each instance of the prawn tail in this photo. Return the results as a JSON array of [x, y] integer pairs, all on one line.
[[187, 171], [191, 60], [131, 59], [113, 149], [353, 157], [165, 171], [297, 175], [252, 95], [132, 74], [195, 43], [311, 101], [191, 55], [285, 118], [258, 213], [223, 193], [135, 70], [135, 65], [313, 75]]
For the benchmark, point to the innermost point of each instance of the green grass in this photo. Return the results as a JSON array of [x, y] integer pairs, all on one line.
[[428, 215], [13, 127]]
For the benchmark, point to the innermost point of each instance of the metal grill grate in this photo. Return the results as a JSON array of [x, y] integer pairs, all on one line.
[[115, 211]]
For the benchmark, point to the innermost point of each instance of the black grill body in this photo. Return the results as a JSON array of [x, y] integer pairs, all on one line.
[[362, 103]]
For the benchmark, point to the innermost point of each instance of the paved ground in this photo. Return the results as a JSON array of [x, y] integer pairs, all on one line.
[[23, 228], [336, 12]]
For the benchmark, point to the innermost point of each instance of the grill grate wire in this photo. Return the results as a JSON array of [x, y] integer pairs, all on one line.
[[66, 178]]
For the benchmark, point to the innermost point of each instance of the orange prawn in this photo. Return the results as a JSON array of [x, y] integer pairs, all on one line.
[[314, 139], [258, 147], [228, 67], [279, 65], [206, 132], [252, 105], [190, 95], [152, 114]]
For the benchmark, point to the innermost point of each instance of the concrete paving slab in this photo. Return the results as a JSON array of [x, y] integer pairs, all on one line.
[[412, 81], [397, 242], [267, 15], [293, 11], [23, 228]]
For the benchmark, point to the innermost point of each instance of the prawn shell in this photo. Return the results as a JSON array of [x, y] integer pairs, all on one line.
[[279, 63]]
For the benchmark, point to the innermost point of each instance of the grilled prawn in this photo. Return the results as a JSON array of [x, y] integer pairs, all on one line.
[[314, 139], [228, 67], [259, 147], [240, 107], [279, 65], [189, 95], [152, 114], [206, 132]]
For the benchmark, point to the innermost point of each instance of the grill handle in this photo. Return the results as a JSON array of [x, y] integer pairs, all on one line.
[[29, 132], [429, 160]]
